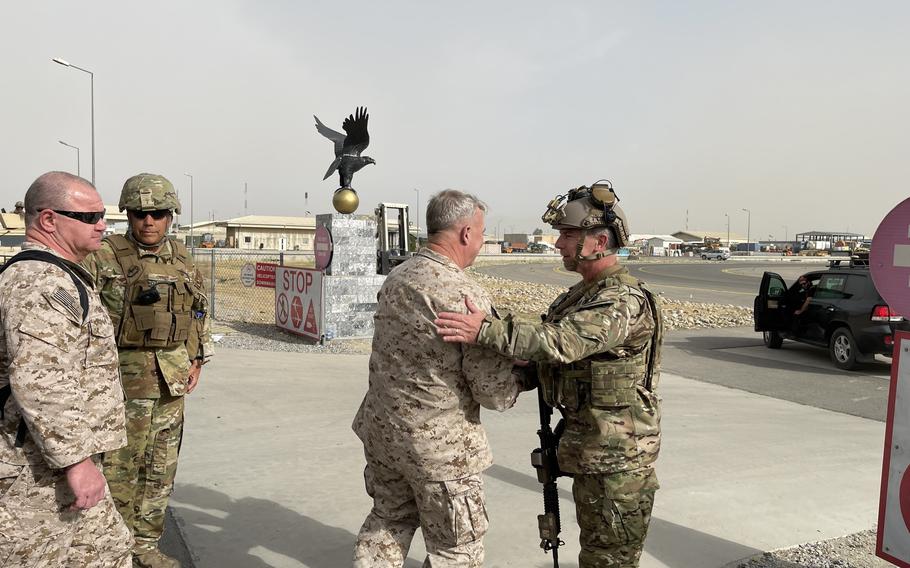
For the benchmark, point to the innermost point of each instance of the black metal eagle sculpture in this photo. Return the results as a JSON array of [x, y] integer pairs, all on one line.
[[348, 160]]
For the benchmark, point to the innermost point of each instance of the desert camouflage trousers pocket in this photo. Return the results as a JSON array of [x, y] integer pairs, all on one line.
[[452, 515], [613, 512], [37, 529]]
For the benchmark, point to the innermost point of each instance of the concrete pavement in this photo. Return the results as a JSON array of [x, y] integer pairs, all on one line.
[[271, 474]]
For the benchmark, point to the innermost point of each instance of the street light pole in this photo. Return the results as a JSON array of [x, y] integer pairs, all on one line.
[[748, 232], [417, 240], [92, 76], [786, 233], [192, 243], [77, 155], [727, 215]]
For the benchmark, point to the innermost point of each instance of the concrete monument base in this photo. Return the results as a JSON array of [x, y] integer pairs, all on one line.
[[351, 283]]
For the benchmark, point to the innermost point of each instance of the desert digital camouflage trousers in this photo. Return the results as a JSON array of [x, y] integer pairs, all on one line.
[[37, 529], [141, 474], [613, 512], [451, 514]]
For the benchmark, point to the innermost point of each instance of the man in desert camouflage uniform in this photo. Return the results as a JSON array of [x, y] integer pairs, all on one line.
[[156, 300], [61, 405], [598, 357], [420, 419]]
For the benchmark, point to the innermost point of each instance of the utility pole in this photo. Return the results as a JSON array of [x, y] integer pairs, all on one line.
[[244, 198]]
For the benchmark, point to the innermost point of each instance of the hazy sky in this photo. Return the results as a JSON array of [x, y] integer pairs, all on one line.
[[799, 111]]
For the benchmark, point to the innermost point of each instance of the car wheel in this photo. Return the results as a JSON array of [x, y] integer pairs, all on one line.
[[842, 348], [772, 339], [704, 257]]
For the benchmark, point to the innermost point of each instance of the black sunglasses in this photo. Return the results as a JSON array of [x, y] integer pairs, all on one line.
[[87, 217], [157, 214]]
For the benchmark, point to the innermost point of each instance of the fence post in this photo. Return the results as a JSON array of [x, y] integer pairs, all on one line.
[[281, 258], [212, 284]]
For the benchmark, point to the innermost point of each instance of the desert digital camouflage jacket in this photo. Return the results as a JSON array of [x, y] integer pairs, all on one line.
[[63, 372], [593, 352], [421, 413], [139, 365]]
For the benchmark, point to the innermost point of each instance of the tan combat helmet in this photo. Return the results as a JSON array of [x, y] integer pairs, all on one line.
[[589, 208], [148, 192]]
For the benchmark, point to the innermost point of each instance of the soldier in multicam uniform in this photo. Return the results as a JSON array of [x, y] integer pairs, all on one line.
[[598, 358], [61, 405], [420, 419], [156, 300]]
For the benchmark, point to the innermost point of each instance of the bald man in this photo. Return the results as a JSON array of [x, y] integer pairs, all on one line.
[[59, 389]]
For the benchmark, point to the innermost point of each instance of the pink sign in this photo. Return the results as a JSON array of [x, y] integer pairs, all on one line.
[[889, 258], [323, 247]]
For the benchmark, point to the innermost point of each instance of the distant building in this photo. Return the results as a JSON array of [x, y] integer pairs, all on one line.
[[692, 237]]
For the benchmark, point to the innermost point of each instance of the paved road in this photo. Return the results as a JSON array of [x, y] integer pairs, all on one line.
[[733, 282]]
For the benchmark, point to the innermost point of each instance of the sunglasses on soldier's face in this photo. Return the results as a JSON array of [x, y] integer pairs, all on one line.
[[157, 214], [87, 217]]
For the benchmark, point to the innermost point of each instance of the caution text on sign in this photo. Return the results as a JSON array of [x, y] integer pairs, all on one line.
[[298, 301]]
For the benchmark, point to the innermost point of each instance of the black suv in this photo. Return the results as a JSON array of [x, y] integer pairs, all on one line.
[[846, 314]]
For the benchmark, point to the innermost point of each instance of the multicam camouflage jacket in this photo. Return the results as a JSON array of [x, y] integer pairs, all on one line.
[[597, 354], [139, 365], [63, 371], [421, 413]]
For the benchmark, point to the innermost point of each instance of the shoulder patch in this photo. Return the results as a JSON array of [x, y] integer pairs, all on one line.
[[68, 302]]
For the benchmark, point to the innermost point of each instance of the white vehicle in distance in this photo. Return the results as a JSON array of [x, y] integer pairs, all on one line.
[[719, 254]]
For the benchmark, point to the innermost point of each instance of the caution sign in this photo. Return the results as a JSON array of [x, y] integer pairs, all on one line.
[[893, 542], [298, 301]]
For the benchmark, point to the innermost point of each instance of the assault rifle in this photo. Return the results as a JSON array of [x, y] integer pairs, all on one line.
[[544, 461]]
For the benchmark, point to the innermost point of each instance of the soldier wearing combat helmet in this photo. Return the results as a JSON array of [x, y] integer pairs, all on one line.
[[597, 354], [156, 299]]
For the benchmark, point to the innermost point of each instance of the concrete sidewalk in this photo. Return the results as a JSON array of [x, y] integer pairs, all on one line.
[[271, 474]]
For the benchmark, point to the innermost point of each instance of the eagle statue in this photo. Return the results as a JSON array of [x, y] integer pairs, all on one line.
[[348, 146]]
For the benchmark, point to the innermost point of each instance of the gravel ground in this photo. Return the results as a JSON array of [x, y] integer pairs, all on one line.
[[530, 300], [851, 551]]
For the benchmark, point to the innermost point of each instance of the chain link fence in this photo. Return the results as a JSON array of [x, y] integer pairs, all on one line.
[[230, 299]]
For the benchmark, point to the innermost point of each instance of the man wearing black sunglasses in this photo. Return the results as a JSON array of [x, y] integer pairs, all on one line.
[[61, 402], [156, 299]]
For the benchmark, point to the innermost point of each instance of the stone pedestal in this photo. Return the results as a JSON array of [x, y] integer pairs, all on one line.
[[351, 283]]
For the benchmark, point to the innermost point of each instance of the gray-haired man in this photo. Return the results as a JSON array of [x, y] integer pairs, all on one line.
[[420, 420]]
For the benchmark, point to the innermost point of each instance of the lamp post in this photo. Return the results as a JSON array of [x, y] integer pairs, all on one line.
[[76, 148], [786, 233], [417, 239], [92, 76], [192, 243], [748, 232], [727, 215]]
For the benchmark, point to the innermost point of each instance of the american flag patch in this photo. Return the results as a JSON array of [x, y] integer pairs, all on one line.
[[68, 301]]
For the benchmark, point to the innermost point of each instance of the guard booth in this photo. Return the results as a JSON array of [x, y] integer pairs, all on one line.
[[392, 227]]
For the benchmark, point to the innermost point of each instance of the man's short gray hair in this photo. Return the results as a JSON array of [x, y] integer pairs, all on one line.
[[50, 191], [611, 236], [450, 206]]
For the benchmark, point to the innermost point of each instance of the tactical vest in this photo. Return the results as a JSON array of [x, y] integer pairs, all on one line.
[[602, 381], [164, 323]]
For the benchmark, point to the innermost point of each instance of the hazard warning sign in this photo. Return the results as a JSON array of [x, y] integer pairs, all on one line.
[[298, 301]]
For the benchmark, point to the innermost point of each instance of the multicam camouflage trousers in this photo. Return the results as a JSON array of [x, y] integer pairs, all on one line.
[[451, 514], [613, 512], [38, 529], [141, 474]]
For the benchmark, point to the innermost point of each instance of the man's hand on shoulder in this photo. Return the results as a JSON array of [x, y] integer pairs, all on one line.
[[87, 483], [454, 327]]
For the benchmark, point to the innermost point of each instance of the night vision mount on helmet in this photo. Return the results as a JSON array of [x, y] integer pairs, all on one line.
[[589, 208]]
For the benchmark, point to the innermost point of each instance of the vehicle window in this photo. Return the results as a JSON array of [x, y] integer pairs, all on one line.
[[776, 287], [831, 286], [857, 284]]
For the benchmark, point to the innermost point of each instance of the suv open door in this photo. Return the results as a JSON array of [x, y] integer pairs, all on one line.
[[770, 312]]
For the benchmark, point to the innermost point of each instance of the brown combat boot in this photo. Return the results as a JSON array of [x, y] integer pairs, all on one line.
[[154, 559]]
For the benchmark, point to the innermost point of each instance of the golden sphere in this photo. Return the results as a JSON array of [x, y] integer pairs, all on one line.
[[345, 200]]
